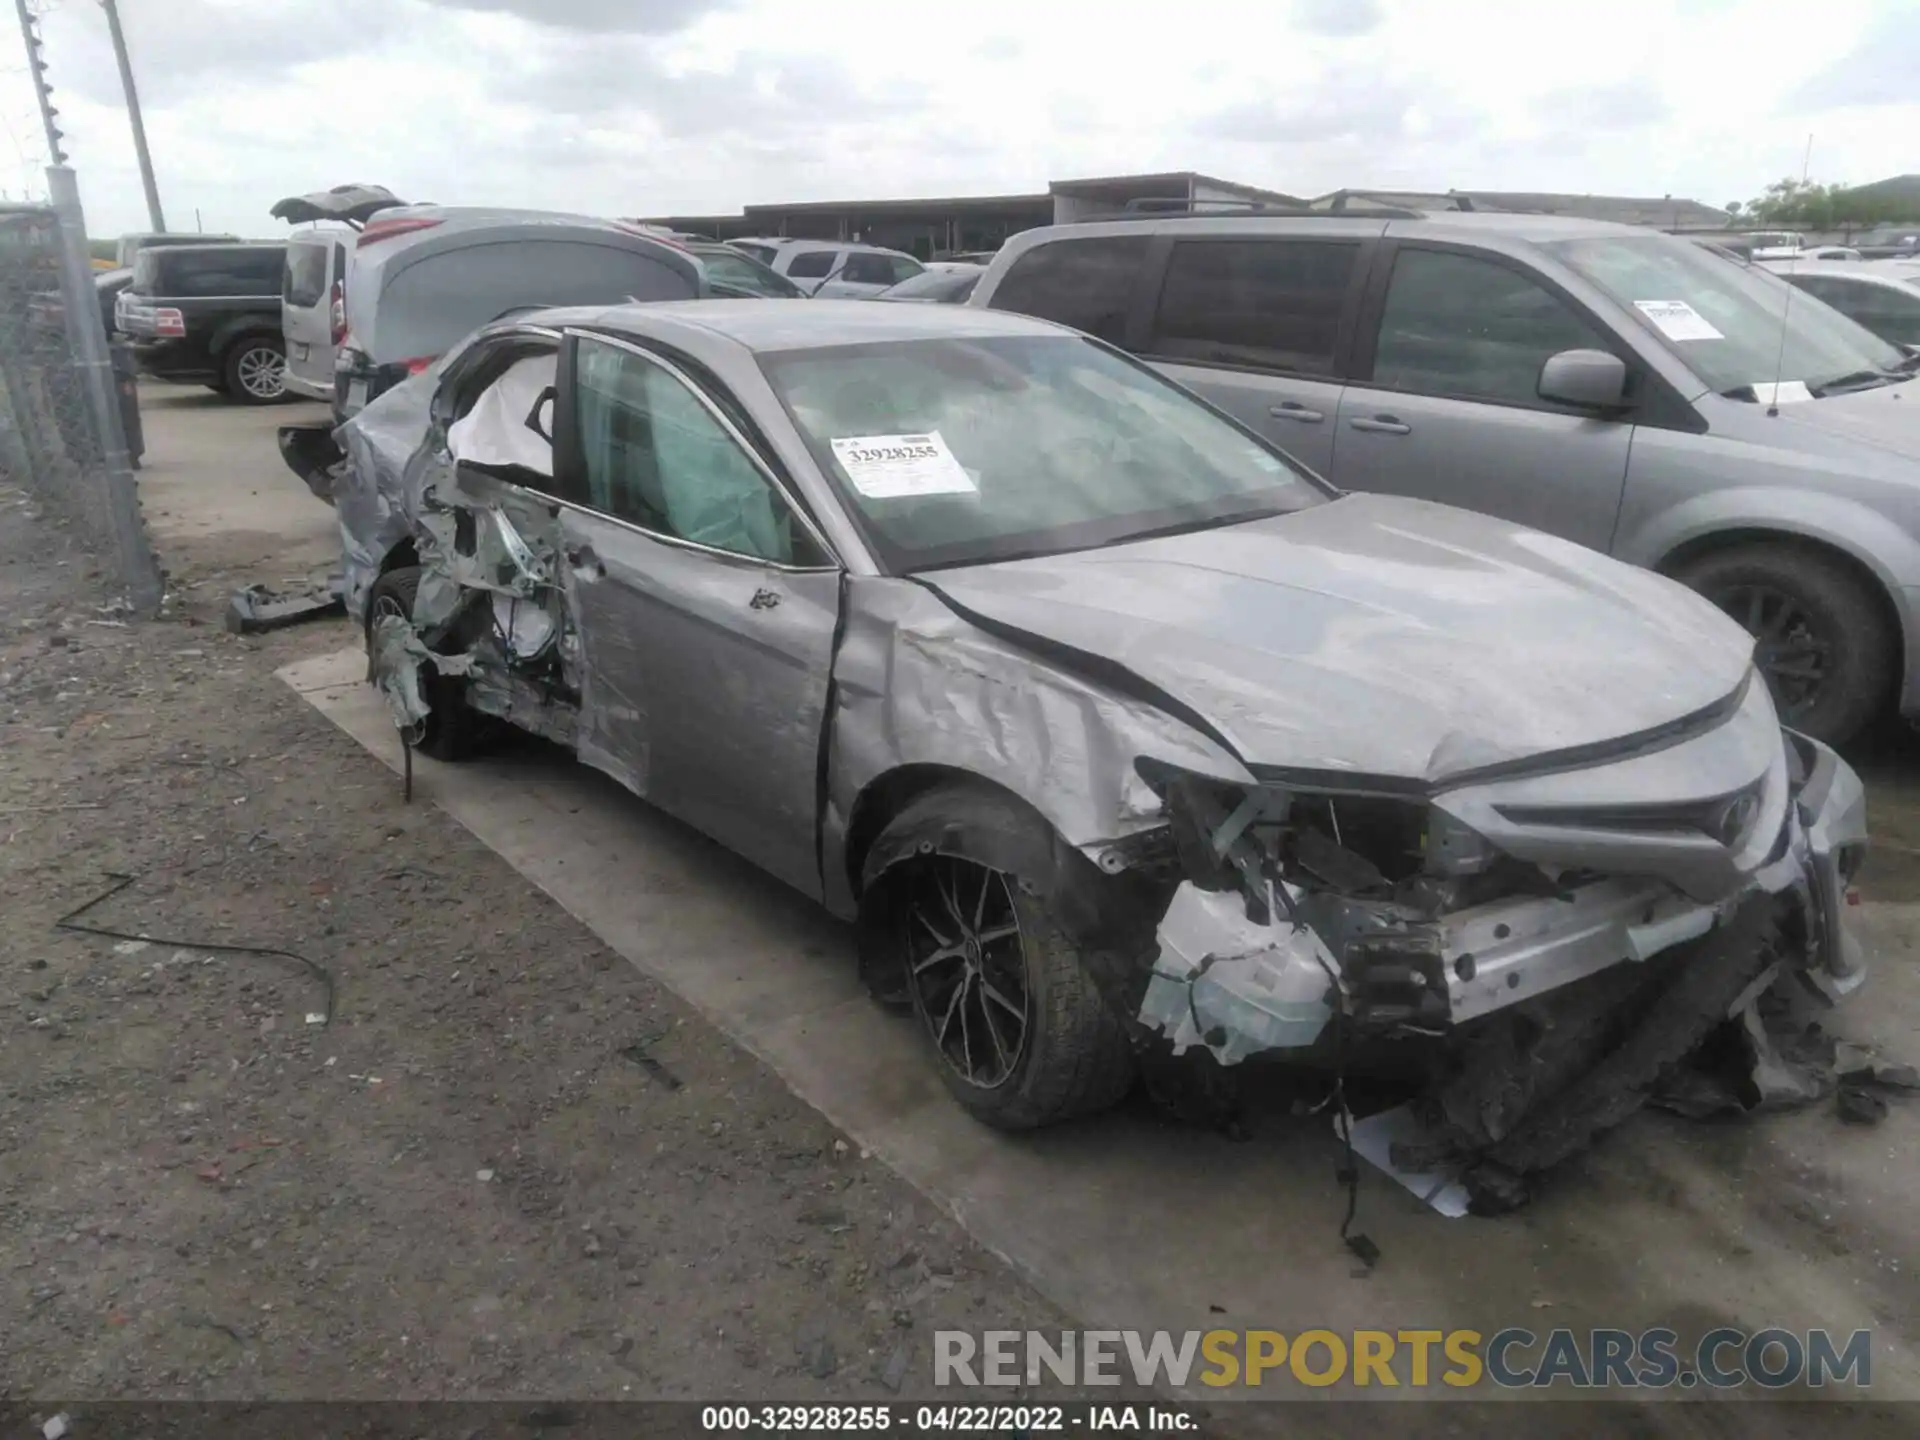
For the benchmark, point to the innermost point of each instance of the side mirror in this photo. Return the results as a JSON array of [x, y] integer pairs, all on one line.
[[1590, 379]]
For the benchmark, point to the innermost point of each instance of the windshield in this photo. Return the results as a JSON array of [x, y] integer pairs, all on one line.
[[1735, 325], [957, 451], [730, 271]]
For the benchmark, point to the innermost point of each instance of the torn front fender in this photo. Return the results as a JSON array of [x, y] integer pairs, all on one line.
[[380, 486]]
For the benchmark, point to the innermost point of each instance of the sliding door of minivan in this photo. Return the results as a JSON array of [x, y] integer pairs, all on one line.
[[1254, 324]]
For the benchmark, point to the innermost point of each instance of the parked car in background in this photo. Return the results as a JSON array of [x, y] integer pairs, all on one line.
[[421, 278], [761, 247], [211, 314], [48, 310], [130, 246], [1116, 733], [313, 299], [843, 271], [1825, 253], [1872, 295], [313, 307], [1891, 242], [941, 283], [1629, 390], [1774, 245]]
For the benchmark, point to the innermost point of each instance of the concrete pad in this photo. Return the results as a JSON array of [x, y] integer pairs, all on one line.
[[1127, 1222]]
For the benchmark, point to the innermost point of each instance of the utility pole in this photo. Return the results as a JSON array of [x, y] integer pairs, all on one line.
[[37, 71], [133, 114]]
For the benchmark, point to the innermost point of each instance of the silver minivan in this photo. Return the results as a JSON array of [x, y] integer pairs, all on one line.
[[1616, 386], [838, 270]]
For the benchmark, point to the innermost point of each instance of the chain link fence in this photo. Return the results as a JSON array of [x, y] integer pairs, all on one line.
[[63, 436]]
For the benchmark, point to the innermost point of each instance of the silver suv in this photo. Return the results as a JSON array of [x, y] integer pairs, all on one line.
[[1616, 386]]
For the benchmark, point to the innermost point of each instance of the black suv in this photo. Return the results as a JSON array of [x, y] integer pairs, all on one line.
[[209, 313]]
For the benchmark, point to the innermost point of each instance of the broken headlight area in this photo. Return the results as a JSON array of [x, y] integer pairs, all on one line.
[[1538, 1005]]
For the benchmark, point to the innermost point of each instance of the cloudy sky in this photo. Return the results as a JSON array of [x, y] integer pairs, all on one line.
[[686, 106]]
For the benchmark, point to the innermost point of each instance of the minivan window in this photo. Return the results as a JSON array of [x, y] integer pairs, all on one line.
[[1461, 326], [866, 268], [1734, 326], [1087, 284], [1269, 303], [811, 264], [306, 279], [954, 451]]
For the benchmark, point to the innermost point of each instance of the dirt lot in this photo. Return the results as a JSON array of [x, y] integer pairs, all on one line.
[[507, 1164]]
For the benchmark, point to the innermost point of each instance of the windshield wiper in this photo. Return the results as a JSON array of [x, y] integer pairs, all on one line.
[[1853, 380]]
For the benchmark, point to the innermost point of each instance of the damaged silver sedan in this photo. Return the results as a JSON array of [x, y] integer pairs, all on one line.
[[1131, 747]]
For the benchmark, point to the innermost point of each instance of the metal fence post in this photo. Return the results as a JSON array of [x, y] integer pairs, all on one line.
[[139, 569]]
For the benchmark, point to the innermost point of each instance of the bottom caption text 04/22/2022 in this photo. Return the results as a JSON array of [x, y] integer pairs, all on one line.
[[948, 1418]]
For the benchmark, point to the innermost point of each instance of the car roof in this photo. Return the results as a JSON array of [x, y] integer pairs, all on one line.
[[768, 325], [1874, 273], [1475, 225]]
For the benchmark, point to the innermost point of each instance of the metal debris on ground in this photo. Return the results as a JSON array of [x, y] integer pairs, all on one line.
[[256, 609]]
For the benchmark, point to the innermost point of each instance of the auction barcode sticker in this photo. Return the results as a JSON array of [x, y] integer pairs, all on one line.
[[892, 467], [1678, 320]]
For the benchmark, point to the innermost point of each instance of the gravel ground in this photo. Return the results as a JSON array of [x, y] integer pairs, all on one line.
[[507, 1164]]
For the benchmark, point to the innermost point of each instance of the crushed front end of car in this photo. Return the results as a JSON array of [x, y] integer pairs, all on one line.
[[1549, 938]]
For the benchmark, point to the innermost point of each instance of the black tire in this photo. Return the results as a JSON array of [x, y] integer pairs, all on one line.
[[254, 370], [1836, 626], [1073, 1057], [450, 731]]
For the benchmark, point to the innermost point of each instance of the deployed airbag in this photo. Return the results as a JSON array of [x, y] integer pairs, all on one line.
[[509, 424]]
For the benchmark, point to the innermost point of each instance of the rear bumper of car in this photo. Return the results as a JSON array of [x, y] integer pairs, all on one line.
[[174, 359], [307, 388]]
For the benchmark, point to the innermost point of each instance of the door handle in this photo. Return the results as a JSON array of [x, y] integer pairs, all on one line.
[[764, 599], [1294, 410], [1381, 424], [582, 557]]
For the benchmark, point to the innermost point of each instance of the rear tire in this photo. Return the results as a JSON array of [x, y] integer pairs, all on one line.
[[254, 370], [450, 731], [1824, 640], [1019, 1033]]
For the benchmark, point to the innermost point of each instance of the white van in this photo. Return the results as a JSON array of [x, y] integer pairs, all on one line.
[[313, 307]]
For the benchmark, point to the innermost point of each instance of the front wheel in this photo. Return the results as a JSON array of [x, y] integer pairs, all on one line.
[[1020, 1034], [1822, 639], [255, 370]]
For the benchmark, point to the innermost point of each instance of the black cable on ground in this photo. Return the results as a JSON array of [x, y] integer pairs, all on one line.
[[70, 921]]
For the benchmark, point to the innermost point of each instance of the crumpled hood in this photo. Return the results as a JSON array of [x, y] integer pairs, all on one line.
[[1379, 636]]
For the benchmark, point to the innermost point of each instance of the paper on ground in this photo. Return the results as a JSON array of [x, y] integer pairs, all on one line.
[[1678, 320], [894, 467], [1373, 1139]]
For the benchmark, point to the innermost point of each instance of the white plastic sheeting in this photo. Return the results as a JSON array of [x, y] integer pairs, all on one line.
[[499, 429]]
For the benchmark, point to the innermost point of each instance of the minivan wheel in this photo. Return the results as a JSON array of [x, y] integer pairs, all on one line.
[[1018, 1031], [450, 730], [255, 371], [1822, 639]]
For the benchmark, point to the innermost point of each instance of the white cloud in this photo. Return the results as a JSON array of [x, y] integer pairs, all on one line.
[[656, 106]]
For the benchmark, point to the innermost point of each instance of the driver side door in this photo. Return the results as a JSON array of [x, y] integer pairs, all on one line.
[[706, 602]]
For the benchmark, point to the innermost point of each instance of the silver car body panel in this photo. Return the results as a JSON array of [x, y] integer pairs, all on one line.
[[1596, 725]]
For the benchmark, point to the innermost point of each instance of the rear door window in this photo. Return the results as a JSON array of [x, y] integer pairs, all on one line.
[[213, 273], [811, 264], [1087, 284], [866, 269], [1272, 304], [1461, 326], [306, 275]]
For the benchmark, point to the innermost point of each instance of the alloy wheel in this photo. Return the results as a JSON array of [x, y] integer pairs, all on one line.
[[262, 372], [967, 966], [1791, 647]]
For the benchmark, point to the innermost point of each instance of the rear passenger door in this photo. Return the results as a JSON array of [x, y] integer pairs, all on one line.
[[1444, 402], [1258, 326], [808, 267]]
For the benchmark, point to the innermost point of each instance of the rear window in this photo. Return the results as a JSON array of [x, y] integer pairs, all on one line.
[[864, 268], [210, 273], [306, 277], [811, 264], [1087, 284], [439, 298]]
